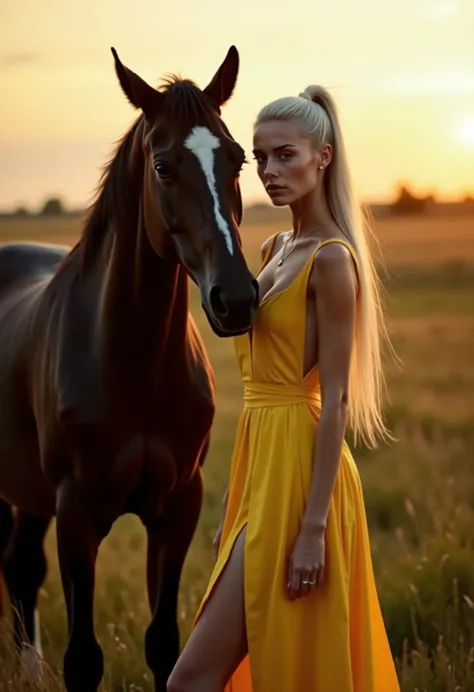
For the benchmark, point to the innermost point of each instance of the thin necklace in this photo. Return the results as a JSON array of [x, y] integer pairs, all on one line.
[[283, 256]]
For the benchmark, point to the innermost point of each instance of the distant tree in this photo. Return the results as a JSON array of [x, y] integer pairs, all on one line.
[[52, 207], [21, 212], [407, 203]]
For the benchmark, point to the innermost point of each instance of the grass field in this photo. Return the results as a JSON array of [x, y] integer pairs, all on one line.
[[419, 492]]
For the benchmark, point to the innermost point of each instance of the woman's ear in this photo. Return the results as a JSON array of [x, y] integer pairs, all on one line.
[[325, 155]]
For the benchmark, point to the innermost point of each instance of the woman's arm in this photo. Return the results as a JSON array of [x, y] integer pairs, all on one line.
[[334, 282]]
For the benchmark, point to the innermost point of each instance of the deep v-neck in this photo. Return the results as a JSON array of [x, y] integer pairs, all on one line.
[[271, 294]]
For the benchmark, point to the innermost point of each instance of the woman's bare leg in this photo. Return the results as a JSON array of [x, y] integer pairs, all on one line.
[[218, 642]]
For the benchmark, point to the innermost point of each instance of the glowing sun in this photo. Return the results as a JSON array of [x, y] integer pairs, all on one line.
[[466, 131]]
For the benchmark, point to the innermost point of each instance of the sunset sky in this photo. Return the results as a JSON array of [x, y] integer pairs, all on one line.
[[402, 73]]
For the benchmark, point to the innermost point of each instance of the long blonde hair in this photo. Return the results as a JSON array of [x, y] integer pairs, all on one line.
[[316, 111]]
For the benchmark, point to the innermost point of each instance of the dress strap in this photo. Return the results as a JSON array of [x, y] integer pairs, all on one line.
[[268, 252], [303, 275], [346, 245], [305, 272]]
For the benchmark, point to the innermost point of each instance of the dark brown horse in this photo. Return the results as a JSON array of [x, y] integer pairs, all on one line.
[[106, 393]]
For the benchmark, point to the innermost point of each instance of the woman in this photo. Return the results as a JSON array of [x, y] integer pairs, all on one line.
[[292, 605]]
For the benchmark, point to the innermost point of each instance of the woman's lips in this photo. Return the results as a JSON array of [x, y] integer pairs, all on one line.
[[273, 190]]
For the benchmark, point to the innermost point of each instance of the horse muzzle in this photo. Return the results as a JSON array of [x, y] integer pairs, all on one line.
[[231, 313]]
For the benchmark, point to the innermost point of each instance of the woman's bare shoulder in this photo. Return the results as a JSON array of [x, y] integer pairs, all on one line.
[[334, 275]]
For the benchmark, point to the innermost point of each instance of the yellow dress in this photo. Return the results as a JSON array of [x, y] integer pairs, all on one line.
[[334, 639]]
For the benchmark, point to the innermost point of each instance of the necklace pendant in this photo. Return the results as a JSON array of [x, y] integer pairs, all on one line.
[[279, 263]]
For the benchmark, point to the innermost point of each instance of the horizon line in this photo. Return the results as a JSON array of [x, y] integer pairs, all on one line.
[[463, 197]]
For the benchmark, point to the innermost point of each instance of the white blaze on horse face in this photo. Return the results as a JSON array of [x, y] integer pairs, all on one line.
[[201, 142]]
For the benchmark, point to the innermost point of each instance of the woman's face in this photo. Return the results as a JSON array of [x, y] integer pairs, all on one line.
[[287, 164]]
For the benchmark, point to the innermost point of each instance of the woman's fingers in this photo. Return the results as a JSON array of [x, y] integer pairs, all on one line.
[[313, 578], [306, 580], [302, 581], [294, 580], [295, 583], [319, 576], [303, 578]]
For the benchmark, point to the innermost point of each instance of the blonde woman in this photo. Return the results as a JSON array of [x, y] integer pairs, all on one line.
[[292, 604]]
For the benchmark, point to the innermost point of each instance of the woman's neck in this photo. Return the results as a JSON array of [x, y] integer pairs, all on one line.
[[310, 214]]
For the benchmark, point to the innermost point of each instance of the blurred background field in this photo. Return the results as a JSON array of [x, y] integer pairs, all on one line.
[[419, 491]]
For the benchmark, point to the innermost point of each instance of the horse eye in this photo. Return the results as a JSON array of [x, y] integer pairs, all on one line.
[[163, 170]]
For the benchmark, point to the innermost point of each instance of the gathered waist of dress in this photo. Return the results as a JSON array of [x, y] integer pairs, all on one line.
[[264, 394]]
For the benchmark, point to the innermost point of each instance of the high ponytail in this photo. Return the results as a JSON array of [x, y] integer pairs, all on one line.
[[317, 112]]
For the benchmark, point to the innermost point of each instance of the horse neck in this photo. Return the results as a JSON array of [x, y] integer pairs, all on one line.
[[141, 300], [144, 305]]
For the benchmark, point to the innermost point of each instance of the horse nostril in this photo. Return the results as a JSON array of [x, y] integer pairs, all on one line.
[[217, 304]]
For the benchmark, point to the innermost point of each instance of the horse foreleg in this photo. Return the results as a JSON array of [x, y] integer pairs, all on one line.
[[167, 549], [25, 569], [78, 545]]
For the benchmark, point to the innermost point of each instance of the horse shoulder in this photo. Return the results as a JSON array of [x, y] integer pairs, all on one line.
[[78, 376]]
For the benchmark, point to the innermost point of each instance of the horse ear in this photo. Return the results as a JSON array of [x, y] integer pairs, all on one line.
[[222, 85], [138, 92]]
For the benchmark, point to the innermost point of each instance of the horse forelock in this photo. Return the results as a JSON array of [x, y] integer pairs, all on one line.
[[185, 104]]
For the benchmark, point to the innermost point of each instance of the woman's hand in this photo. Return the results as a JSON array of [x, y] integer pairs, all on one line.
[[306, 562]]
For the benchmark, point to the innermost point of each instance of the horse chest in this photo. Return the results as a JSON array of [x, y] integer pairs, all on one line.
[[151, 436]]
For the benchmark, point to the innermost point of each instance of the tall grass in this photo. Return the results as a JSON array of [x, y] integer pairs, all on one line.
[[419, 495]]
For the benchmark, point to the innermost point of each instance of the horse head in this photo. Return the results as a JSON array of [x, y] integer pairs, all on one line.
[[191, 200]]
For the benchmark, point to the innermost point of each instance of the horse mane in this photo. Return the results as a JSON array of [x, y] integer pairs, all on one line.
[[115, 197]]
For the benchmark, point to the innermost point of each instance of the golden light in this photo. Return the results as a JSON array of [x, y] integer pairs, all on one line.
[[466, 131]]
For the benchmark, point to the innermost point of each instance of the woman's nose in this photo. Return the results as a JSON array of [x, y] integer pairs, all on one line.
[[270, 170]]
